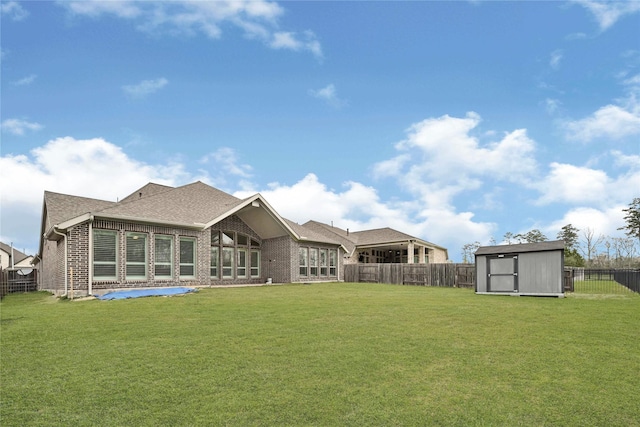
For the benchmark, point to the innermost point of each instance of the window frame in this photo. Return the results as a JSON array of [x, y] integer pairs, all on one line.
[[255, 269], [114, 263], [333, 262], [241, 263], [231, 266], [324, 261], [156, 263], [303, 262], [135, 236], [214, 267], [313, 262], [194, 262]]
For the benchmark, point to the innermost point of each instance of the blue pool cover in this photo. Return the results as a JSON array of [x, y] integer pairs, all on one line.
[[138, 293]]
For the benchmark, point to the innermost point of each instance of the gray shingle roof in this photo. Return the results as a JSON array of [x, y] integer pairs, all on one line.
[[351, 240], [148, 190], [380, 235], [195, 203], [334, 233], [553, 245], [62, 207], [17, 255], [310, 234]]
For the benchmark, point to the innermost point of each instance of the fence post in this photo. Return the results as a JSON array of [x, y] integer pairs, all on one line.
[[71, 280]]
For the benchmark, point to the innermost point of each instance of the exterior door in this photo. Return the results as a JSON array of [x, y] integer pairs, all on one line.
[[502, 273]]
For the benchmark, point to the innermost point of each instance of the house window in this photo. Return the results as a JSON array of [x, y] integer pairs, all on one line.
[[105, 254], [313, 261], [187, 257], [215, 261], [227, 263], [136, 256], [255, 263], [163, 265], [242, 263], [236, 254], [227, 238], [323, 262], [303, 255], [333, 262]]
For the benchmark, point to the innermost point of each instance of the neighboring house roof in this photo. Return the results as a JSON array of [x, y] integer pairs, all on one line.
[[553, 245], [311, 235], [18, 256], [196, 205], [367, 238]]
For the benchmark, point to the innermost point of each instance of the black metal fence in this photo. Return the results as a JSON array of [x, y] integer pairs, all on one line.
[[603, 281], [18, 280]]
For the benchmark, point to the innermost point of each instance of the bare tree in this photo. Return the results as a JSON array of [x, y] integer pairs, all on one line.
[[624, 250], [590, 243], [468, 250]]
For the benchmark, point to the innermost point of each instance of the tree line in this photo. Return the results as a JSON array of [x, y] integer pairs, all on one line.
[[584, 248]]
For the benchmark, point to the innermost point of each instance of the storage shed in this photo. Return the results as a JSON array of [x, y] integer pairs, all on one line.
[[522, 269]]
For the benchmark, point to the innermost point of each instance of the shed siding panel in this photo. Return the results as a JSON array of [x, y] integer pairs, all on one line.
[[540, 272], [481, 276]]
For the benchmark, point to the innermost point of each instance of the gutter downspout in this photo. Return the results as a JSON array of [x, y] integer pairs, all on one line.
[[90, 260], [66, 267]]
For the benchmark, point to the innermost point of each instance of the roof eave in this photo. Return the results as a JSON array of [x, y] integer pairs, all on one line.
[[246, 202]]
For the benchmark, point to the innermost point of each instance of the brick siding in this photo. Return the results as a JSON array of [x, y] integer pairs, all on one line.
[[278, 258]]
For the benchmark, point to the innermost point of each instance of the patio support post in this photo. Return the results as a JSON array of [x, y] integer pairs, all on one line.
[[410, 251]]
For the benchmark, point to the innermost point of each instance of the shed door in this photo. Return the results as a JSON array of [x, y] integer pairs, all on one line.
[[502, 273]]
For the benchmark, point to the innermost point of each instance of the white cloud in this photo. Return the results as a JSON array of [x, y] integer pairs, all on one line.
[[14, 10], [603, 221], [25, 81], [444, 151], [571, 184], [91, 168], [121, 9], [609, 12], [359, 207], [552, 105], [226, 166], [556, 57], [296, 42], [256, 18], [391, 167], [581, 185], [611, 121], [19, 127], [145, 87], [328, 94]]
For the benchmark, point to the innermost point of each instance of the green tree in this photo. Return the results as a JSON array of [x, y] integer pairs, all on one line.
[[508, 237], [572, 258], [570, 236], [632, 218], [532, 236]]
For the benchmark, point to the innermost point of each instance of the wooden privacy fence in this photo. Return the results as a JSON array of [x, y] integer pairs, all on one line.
[[447, 275], [17, 281]]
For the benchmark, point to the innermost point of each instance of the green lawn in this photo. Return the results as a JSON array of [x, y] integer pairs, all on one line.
[[321, 355], [599, 287]]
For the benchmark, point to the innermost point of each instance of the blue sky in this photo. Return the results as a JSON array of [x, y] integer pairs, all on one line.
[[452, 121]]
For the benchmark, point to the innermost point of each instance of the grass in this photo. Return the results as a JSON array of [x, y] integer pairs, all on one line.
[[320, 355], [600, 287]]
